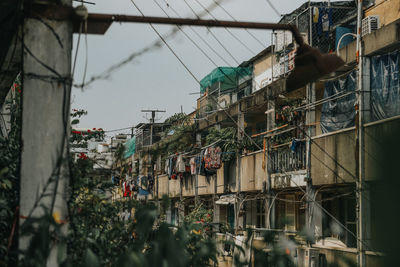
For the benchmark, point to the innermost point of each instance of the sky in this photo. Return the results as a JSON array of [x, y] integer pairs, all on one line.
[[156, 79]]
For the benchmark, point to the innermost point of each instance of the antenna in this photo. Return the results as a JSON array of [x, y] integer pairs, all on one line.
[[153, 115]]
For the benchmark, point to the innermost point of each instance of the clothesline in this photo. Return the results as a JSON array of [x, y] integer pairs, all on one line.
[[195, 154]]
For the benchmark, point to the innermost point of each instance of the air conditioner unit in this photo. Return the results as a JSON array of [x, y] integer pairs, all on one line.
[[369, 25]]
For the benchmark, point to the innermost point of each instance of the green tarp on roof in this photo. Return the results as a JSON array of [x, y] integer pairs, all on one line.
[[228, 76], [130, 147]]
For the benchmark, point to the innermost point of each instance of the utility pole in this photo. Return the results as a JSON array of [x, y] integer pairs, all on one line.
[[152, 120], [240, 134], [47, 45], [153, 116], [310, 120], [362, 201]]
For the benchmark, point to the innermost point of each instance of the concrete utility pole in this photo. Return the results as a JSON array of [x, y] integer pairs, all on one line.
[[45, 120], [310, 120], [362, 207], [240, 134]]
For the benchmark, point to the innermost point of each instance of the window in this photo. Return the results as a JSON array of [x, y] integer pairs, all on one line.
[[260, 214]]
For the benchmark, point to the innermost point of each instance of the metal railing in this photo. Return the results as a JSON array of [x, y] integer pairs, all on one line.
[[284, 159]]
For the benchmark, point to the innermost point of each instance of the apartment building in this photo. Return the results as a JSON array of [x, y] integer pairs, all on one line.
[[296, 162]]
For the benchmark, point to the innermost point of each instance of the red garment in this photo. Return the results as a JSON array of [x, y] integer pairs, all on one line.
[[127, 190], [187, 169]]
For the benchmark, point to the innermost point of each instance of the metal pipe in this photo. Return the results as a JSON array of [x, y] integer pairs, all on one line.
[[109, 18]]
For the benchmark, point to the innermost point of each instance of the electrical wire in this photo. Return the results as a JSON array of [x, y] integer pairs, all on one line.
[[152, 47], [116, 130], [227, 76], [230, 15], [284, 172], [274, 8], [187, 36], [86, 55], [227, 30], [213, 35], [168, 46], [76, 51], [197, 46], [198, 35]]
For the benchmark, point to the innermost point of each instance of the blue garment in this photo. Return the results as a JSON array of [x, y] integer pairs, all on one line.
[[294, 145], [324, 21]]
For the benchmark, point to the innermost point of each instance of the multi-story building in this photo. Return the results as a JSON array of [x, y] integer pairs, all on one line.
[[305, 156]]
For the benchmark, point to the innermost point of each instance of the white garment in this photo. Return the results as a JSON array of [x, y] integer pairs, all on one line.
[[166, 169], [180, 164]]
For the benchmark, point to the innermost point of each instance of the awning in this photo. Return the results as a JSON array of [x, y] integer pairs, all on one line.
[[226, 200]]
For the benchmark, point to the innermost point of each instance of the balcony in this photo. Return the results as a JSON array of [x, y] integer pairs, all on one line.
[[284, 159]]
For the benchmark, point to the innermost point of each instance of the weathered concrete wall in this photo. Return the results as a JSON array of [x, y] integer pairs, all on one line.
[[333, 158], [260, 172], [387, 10], [188, 186], [162, 185], [247, 176], [252, 173], [262, 64], [206, 185], [220, 180], [174, 188]]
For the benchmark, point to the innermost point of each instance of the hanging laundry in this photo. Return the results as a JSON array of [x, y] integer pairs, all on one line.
[[193, 166], [127, 191], [213, 158], [315, 14], [166, 168], [180, 164], [170, 167], [324, 21]]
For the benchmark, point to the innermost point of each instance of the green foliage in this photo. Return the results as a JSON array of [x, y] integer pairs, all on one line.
[[199, 214], [97, 236], [177, 118], [229, 143], [9, 176]]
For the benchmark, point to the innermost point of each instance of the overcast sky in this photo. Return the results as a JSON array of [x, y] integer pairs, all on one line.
[[156, 80]]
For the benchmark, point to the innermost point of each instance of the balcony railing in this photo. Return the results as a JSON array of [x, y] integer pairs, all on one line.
[[284, 158]]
